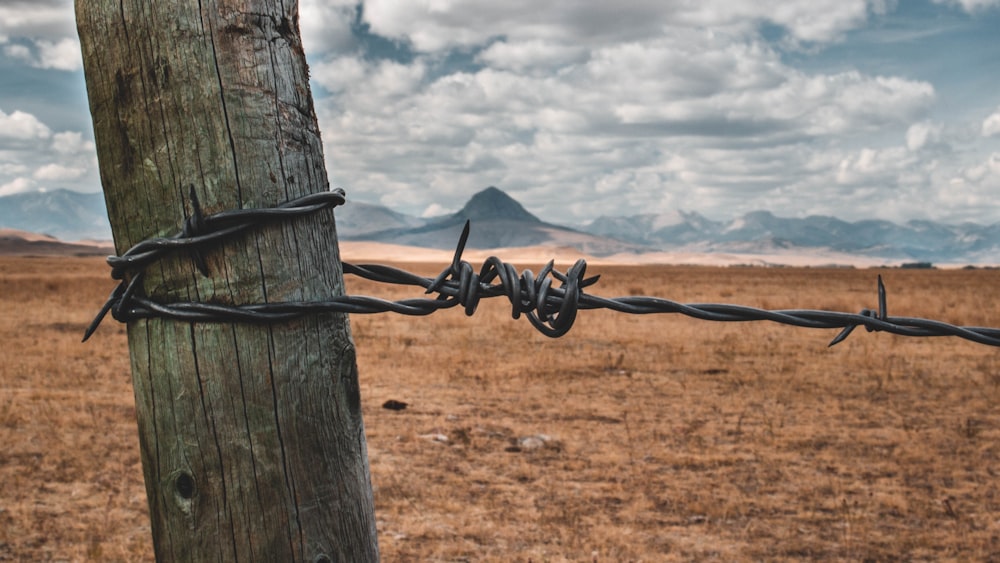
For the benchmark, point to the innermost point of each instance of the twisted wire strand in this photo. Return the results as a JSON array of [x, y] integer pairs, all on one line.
[[552, 309], [200, 230]]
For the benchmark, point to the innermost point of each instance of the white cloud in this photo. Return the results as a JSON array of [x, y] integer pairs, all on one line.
[[816, 21], [369, 83], [51, 20], [921, 134], [871, 166], [16, 186], [60, 55], [391, 79], [971, 190], [12, 169], [983, 173], [433, 25], [326, 25], [971, 6], [71, 142], [19, 52], [991, 125], [338, 74], [32, 157], [45, 31], [531, 54], [59, 172], [435, 210], [22, 126]]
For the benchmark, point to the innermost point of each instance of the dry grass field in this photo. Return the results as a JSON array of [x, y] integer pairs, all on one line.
[[656, 438]]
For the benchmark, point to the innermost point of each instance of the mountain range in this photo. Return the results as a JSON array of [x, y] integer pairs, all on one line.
[[763, 232], [62, 214], [500, 221]]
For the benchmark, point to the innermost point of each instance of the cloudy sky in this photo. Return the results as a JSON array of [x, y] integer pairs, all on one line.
[[855, 108]]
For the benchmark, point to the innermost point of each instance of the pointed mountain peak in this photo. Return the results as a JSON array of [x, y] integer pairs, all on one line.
[[493, 203]]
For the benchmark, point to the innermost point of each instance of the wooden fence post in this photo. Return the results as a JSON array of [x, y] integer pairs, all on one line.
[[253, 446]]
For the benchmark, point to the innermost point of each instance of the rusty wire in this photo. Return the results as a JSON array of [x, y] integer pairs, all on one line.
[[551, 309]]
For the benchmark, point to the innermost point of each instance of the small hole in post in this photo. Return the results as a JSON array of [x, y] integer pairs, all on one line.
[[322, 558], [185, 486]]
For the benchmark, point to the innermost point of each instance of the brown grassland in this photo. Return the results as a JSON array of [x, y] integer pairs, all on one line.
[[654, 438]]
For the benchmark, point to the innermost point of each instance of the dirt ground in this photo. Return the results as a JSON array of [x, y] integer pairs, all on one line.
[[652, 438]]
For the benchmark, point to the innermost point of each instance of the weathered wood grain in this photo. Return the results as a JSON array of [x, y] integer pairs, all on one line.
[[252, 439]]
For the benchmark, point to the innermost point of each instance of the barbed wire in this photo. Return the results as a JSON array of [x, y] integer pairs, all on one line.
[[551, 309]]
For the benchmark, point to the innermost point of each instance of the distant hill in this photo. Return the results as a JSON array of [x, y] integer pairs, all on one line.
[[493, 204], [655, 230], [63, 214], [497, 221], [21, 243], [357, 220]]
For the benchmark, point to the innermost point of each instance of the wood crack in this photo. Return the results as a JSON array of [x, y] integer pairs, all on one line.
[[225, 113], [289, 482]]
